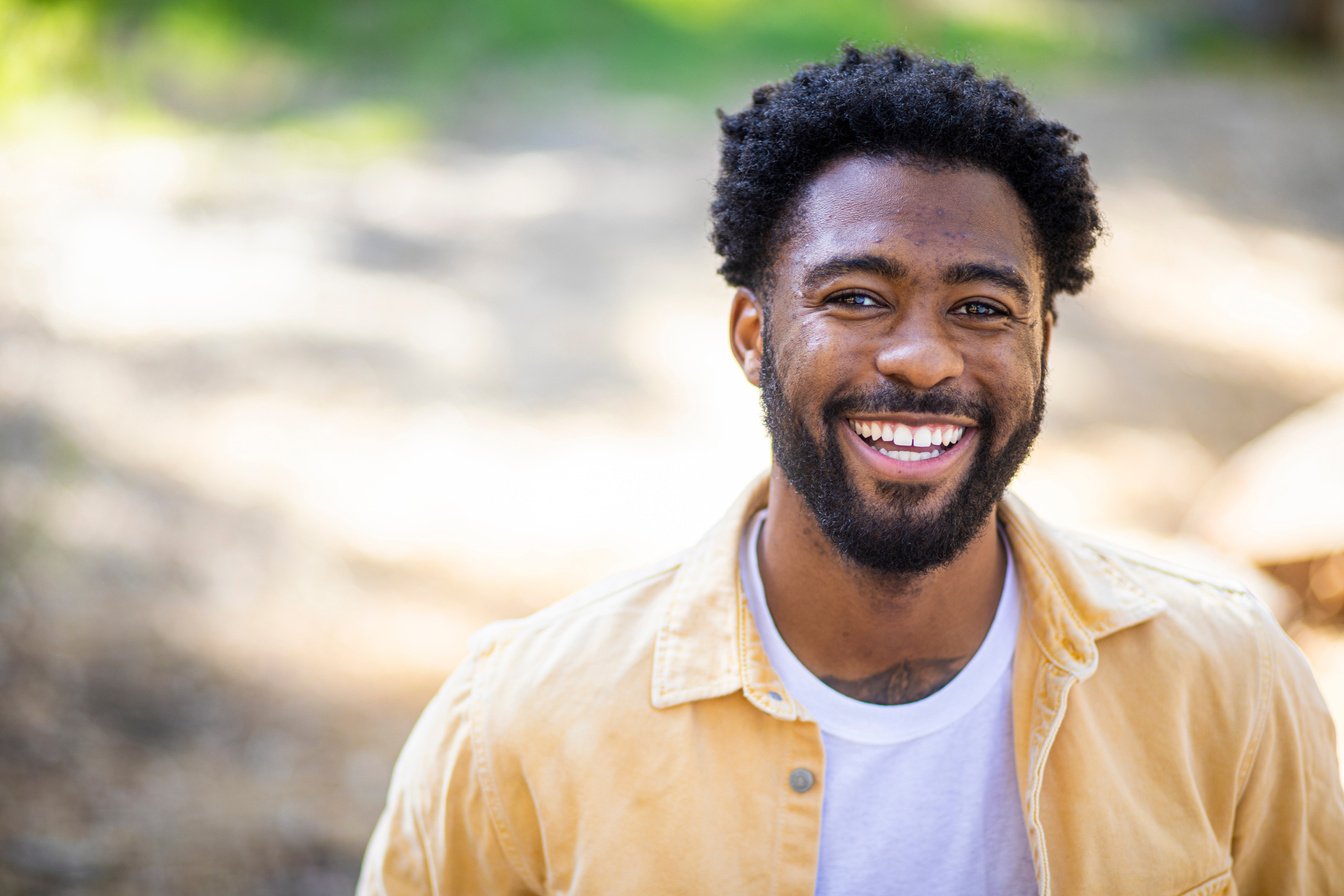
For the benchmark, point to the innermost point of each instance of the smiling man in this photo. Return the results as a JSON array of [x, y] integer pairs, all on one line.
[[880, 673]]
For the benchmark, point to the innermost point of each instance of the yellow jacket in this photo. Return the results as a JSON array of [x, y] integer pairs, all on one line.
[[633, 739]]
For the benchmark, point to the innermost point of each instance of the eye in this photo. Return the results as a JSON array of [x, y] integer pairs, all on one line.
[[980, 309], [853, 300]]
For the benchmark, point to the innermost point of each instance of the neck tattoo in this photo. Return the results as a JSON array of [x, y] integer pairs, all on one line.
[[905, 682]]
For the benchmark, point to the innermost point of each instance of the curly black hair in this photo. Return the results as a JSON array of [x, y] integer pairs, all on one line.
[[891, 103]]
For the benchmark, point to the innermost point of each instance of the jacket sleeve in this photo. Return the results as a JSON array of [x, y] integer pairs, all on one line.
[[1289, 835], [436, 834]]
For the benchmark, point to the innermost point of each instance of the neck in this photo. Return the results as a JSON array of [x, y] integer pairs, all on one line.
[[876, 636]]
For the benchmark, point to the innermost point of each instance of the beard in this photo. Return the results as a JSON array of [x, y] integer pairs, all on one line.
[[895, 534]]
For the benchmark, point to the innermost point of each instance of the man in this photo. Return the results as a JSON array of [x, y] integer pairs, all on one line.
[[879, 674]]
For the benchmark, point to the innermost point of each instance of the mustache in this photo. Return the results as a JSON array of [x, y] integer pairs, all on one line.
[[893, 398]]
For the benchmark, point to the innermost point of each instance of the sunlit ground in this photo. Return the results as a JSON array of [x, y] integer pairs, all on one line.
[[279, 428]]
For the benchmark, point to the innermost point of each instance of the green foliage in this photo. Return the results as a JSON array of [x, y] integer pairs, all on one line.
[[266, 61]]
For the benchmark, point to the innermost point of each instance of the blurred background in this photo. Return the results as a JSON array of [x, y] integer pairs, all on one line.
[[331, 331]]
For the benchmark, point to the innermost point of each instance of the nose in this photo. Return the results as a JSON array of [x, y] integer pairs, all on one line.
[[919, 352]]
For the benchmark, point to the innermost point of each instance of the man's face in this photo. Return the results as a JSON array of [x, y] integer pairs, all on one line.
[[902, 359]]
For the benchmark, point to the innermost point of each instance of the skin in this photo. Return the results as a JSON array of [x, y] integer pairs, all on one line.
[[837, 327]]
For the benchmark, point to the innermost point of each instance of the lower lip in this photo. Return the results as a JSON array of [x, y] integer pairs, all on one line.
[[910, 470]]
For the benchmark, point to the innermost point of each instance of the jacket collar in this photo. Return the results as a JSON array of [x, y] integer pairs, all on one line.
[[707, 644], [1074, 593]]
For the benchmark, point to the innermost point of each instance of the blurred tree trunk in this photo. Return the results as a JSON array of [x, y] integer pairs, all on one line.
[[1322, 22], [1312, 23]]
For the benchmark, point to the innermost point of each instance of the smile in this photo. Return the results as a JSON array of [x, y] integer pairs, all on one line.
[[907, 443]]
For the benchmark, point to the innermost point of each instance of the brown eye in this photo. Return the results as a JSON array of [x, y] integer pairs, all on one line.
[[854, 299], [980, 309]]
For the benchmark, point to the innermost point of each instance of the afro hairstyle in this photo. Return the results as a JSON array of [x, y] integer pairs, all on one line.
[[891, 103]]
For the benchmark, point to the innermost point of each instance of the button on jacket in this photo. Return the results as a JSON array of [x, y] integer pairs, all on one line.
[[633, 739]]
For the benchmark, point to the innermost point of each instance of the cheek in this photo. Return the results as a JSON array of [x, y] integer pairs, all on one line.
[[810, 356], [815, 343], [1027, 368], [1010, 372]]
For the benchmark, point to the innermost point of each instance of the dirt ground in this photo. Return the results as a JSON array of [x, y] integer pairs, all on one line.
[[280, 426]]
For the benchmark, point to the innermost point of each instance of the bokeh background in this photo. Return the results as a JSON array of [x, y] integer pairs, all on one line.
[[331, 331]]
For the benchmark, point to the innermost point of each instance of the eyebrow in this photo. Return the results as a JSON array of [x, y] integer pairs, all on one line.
[[1001, 275], [851, 264], [1004, 276]]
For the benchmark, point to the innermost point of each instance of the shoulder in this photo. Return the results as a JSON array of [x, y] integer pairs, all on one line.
[[1082, 589], [1213, 644], [1213, 662], [1218, 607], [506, 729], [583, 662], [1133, 623], [1206, 630], [614, 617], [1194, 697], [584, 642]]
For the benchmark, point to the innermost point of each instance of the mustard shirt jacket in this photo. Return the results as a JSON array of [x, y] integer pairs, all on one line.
[[633, 739]]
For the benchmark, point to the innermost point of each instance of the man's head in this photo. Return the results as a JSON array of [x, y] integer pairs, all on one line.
[[893, 104], [897, 228]]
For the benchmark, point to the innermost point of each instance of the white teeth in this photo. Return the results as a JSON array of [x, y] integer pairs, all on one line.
[[908, 437], [910, 455]]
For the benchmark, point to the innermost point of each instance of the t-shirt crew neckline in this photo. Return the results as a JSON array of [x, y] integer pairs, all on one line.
[[871, 723]]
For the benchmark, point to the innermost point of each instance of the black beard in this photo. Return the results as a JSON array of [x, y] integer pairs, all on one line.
[[893, 537]]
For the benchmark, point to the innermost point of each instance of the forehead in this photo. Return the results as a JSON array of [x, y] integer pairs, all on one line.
[[920, 215]]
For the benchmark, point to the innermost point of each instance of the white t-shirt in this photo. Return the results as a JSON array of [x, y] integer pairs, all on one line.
[[920, 798]]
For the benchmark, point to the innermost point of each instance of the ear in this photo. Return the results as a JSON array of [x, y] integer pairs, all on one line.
[[745, 333]]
